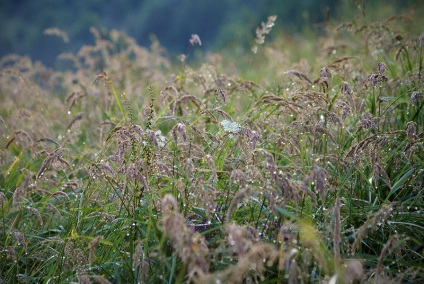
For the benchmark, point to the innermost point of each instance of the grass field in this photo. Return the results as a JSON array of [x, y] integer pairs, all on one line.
[[300, 162]]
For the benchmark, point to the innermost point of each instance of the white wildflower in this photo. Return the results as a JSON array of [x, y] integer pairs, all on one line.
[[161, 138], [231, 127]]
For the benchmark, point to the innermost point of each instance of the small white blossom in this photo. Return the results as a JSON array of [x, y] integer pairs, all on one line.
[[229, 126], [161, 138], [195, 39]]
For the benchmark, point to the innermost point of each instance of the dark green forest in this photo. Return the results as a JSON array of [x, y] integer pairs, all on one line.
[[229, 24]]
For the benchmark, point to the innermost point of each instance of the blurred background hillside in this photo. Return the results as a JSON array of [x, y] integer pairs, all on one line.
[[220, 24]]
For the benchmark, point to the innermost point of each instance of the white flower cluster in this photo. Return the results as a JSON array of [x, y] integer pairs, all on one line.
[[162, 138], [231, 127]]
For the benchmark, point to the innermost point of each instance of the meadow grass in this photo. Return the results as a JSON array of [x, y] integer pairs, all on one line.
[[134, 167]]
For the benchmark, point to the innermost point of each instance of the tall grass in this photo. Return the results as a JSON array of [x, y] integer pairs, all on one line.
[[150, 170]]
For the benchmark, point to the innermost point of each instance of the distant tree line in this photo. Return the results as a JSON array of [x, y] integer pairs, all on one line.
[[219, 23]]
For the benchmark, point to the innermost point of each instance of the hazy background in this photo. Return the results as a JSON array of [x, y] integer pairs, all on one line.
[[219, 23]]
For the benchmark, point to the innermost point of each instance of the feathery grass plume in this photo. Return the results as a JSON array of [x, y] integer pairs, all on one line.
[[190, 246], [137, 129], [210, 113], [246, 147], [253, 257], [345, 89], [357, 149], [35, 89], [189, 168], [421, 40], [321, 183], [9, 142], [381, 67], [169, 94], [237, 199], [3, 199], [182, 99], [60, 193], [71, 57], [353, 270], [411, 131], [368, 123], [198, 133], [288, 245], [386, 250], [18, 196], [35, 212], [68, 250], [315, 97], [305, 187], [213, 138], [222, 113], [52, 158], [310, 237], [239, 176], [416, 97], [57, 32], [337, 230], [222, 93], [140, 262], [340, 62], [103, 77], [207, 196], [212, 167], [345, 109], [106, 168], [92, 248], [237, 239], [136, 171], [375, 79], [378, 218], [378, 172], [250, 267], [271, 167], [50, 140], [331, 118], [76, 118], [11, 252], [319, 128], [26, 135], [154, 138], [324, 78], [54, 208], [300, 75], [20, 238], [4, 124], [263, 31], [179, 128]]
